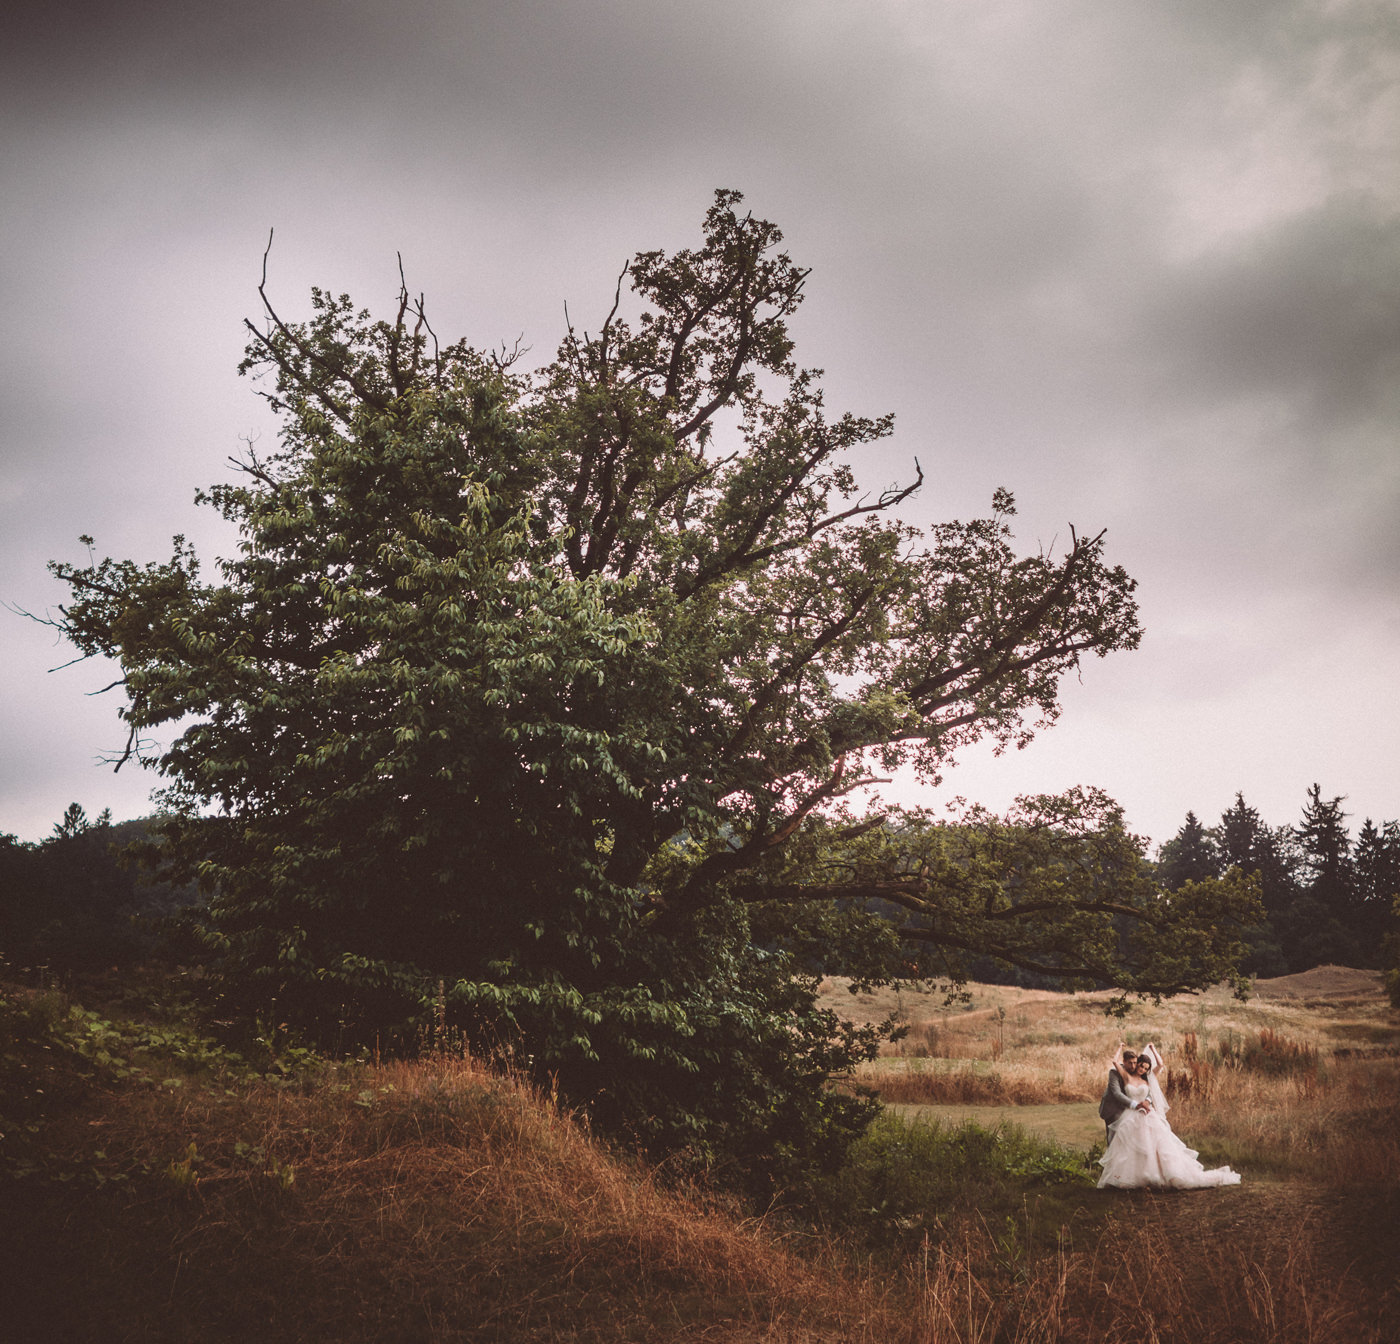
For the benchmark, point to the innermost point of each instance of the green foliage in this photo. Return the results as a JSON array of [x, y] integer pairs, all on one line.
[[183, 1171], [53, 1051], [1057, 888], [72, 902], [549, 689], [1189, 856], [1325, 897], [902, 1178]]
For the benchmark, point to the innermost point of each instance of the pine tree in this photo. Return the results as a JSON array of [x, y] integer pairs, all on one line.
[[1326, 846], [1377, 864], [1243, 841], [1189, 856], [1321, 925]]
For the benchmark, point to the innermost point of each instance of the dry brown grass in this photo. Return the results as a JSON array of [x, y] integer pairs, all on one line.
[[1133, 1285], [1287, 1080], [931, 1081], [435, 1201], [1339, 1125], [1302, 1082], [427, 1200]]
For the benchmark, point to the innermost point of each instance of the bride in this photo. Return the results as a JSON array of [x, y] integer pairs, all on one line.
[[1142, 1149]]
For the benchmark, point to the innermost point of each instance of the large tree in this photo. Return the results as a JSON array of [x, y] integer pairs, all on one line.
[[1270, 854], [1376, 863], [547, 693]]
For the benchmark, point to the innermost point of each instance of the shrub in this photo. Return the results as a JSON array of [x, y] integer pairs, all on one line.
[[902, 1178]]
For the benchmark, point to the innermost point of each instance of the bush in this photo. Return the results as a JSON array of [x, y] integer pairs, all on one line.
[[903, 1177]]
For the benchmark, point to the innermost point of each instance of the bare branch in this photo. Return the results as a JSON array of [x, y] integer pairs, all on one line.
[[330, 403]]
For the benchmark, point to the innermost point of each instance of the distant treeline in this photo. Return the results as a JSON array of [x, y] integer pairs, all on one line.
[[1328, 897], [72, 902]]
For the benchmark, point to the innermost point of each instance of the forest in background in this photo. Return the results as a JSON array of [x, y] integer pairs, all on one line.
[[1328, 897], [74, 902]]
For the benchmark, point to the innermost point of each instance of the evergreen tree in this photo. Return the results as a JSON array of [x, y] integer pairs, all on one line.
[[1189, 856], [1237, 837], [67, 902], [1377, 866], [73, 822], [1244, 842], [1321, 925], [1330, 875]]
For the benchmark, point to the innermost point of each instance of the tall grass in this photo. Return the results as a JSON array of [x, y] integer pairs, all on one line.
[[1336, 1125], [438, 1201], [1279, 1086], [921, 1081]]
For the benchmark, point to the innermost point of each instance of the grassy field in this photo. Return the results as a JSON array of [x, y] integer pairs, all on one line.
[[156, 1188], [1276, 1082]]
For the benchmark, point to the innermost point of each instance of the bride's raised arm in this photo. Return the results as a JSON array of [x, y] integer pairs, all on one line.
[[1154, 1083]]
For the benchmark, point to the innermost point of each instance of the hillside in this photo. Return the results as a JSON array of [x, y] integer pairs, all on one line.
[[158, 1187]]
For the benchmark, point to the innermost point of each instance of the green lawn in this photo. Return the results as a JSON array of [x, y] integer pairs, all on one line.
[[1074, 1123]]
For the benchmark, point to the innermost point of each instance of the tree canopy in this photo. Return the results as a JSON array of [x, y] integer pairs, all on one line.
[[543, 695]]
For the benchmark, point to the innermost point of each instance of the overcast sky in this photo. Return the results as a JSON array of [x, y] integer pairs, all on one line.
[[1139, 262]]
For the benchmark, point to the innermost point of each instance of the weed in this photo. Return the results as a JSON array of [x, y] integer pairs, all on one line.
[[439, 1200]]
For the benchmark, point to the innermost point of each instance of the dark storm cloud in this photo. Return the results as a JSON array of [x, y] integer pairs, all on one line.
[[537, 79], [1309, 310], [1137, 263]]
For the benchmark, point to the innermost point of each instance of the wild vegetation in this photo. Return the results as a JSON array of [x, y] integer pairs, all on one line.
[[159, 1185], [1262, 1083], [510, 840]]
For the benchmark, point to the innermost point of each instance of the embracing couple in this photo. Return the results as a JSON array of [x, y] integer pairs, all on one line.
[[1142, 1149]]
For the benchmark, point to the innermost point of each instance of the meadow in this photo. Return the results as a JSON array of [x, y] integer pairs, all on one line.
[[1275, 1083], [158, 1186]]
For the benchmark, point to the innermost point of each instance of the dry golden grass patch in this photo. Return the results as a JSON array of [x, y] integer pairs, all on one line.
[[1339, 1125], [437, 1201], [1011, 1046], [430, 1200]]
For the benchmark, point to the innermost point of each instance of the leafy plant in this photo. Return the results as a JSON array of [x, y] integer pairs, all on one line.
[[903, 1178]]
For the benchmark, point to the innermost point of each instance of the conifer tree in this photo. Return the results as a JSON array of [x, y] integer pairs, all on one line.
[[1189, 856]]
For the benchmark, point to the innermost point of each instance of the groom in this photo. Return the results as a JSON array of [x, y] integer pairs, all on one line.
[[1115, 1100]]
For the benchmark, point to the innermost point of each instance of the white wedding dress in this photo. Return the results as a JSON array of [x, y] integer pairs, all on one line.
[[1143, 1150]]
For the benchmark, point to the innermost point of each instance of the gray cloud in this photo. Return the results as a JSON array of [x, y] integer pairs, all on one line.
[[1309, 309], [1139, 264]]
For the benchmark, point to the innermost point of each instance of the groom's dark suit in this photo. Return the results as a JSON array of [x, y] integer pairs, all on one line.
[[1114, 1101]]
